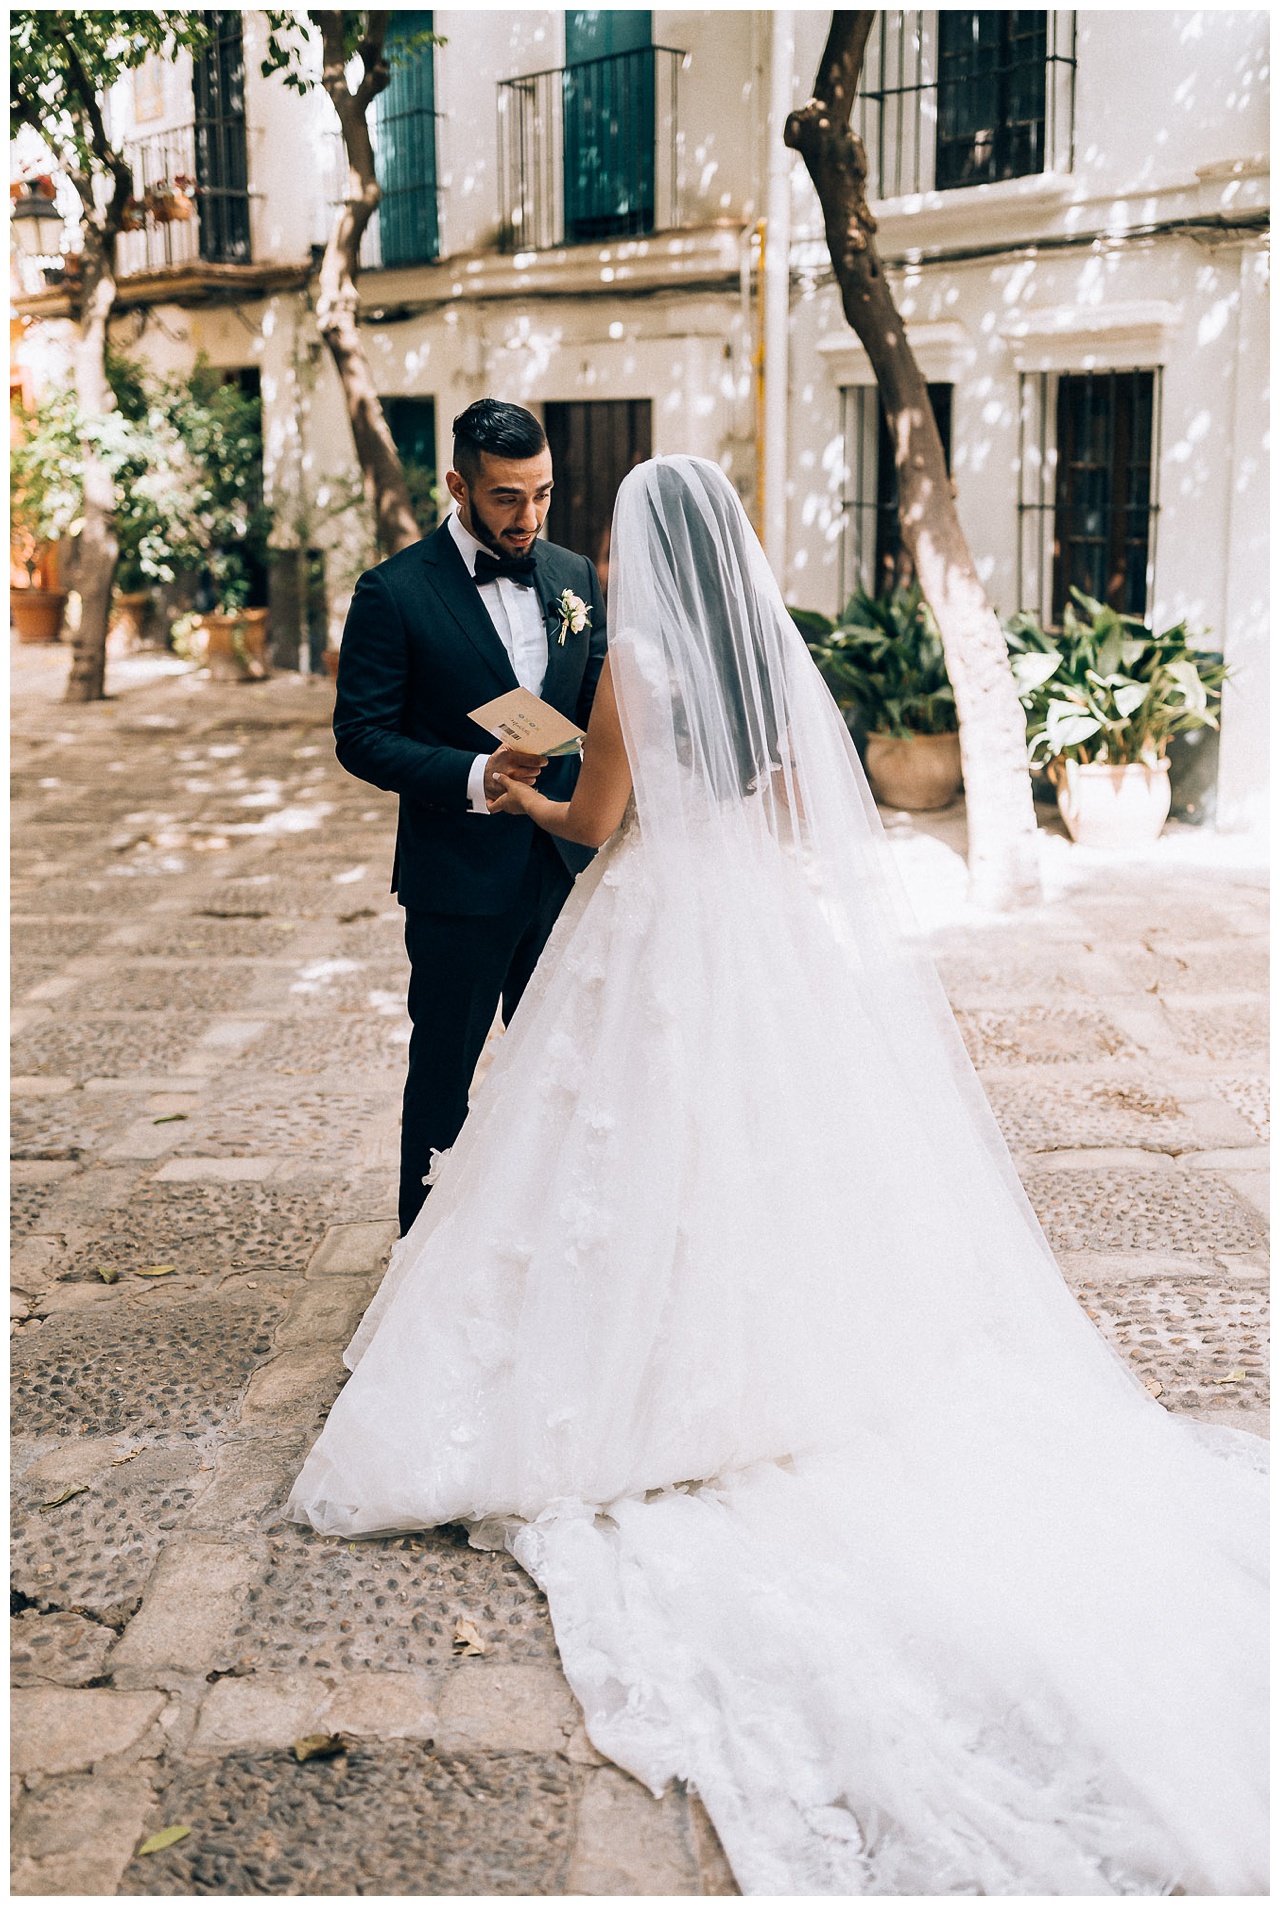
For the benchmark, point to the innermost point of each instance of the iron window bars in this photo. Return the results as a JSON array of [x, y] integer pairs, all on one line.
[[221, 146], [965, 97], [871, 555], [1088, 488], [590, 151]]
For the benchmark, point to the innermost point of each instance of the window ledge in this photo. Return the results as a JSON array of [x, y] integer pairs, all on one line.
[[1119, 336], [709, 254], [973, 214], [1036, 188], [944, 351]]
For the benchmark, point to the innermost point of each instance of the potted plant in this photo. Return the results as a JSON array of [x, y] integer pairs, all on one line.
[[221, 429], [44, 506], [883, 662], [1104, 696]]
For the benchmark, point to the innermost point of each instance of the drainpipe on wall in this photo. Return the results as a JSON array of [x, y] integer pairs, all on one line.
[[777, 292]]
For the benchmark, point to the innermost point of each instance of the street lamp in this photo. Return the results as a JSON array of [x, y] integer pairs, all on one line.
[[36, 224]]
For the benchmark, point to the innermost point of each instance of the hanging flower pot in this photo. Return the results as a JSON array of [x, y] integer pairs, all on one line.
[[1106, 806], [159, 202]]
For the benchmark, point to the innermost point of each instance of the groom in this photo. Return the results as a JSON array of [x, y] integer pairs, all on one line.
[[472, 610]]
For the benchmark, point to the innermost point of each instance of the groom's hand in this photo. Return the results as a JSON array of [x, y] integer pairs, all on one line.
[[516, 767]]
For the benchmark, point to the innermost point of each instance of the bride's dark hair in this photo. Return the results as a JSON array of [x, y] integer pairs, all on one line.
[[700, 528]]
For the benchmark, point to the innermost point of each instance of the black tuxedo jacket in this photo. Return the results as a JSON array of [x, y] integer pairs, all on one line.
[[418, 651]]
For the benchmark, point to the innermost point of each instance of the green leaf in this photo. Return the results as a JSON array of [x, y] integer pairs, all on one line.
[[1065, 728], [167, 1836], [1033, 670], [1187, 676], [156, 1270], [1129, 698], [108, 1273]]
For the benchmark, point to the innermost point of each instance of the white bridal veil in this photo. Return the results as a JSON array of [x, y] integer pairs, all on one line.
[[729, 1312]]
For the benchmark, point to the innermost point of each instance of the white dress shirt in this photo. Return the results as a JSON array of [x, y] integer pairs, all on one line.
[[516, 613]]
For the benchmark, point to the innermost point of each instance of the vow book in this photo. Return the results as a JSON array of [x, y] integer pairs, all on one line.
[[528, 724]]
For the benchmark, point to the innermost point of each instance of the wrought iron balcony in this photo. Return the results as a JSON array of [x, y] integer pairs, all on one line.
[[590, 151], [191, 199]]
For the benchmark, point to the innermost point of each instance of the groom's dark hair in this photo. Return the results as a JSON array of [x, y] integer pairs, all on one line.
[[504, 430]]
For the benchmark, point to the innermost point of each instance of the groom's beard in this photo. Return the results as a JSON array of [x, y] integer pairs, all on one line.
[[493, 539]]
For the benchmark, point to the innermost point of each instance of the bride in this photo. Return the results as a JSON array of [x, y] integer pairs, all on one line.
[[729, 1316]]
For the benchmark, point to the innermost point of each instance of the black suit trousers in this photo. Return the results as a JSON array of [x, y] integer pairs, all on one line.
[[461, 967]]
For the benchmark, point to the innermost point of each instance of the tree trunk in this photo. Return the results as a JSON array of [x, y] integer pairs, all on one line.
[[96, 548], [338, 303], [1003, 857]]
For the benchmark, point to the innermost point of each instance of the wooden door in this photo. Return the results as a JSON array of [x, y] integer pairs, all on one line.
[[593, 445]]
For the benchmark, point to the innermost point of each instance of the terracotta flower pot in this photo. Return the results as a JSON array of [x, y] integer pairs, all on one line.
[[913, 771], [37, 613], [1105, 806], [236, 645], [135, 609]]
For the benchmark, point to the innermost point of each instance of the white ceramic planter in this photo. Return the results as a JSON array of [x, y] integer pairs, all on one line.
[[1105, 806]]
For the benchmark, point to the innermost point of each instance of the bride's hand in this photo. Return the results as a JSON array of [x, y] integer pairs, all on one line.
[[516, 797]]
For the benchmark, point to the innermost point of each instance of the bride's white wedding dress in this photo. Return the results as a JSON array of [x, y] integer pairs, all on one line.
[[728, 1313]]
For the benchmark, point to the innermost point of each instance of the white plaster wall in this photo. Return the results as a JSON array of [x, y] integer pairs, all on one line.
[[291, 139], [1161, 91], [1244, 761], [482, 47], [720, 103]]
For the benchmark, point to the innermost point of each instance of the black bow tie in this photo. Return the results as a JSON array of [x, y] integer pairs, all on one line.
[[519, 569]]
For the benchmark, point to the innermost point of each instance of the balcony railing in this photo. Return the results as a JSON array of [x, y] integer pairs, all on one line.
[[590, 151], [191, 213], [966, 98]]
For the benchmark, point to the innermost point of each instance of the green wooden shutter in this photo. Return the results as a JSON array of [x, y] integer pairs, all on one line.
[[405, 147], [609, 99]]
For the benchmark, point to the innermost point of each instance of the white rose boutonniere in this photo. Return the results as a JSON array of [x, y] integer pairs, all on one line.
[[573, 612]]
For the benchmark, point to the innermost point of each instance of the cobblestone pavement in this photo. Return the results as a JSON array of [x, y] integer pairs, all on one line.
[[209, 1042]]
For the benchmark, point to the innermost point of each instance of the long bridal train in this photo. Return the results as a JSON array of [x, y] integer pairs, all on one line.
[[728, 1314]]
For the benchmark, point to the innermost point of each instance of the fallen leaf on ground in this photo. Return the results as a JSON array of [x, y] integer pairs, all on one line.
[[76, 1489], [126, 1458], [108, 1273], [468, 1640], [156, 1270], [319, 1747], [170, 1118], [167, 1836], [1153, 1388], [1232, 1376]]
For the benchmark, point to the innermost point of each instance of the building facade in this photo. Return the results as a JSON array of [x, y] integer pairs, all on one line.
[[593, 213]]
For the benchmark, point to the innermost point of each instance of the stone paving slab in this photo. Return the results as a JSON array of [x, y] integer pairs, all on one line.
[[387, 1818], [1042, 1034], [210, 1046], [1141, 1210]]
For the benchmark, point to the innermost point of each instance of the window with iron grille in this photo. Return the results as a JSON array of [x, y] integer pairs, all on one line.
[[404, 135], [991, 96], [965, 97], [872, 556], [1088, 506], [221, 146], [609, 106]]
